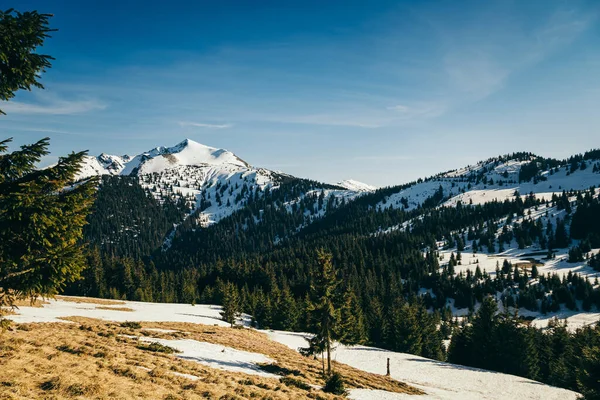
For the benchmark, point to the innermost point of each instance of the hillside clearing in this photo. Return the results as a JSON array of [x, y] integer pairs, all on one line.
[[110, 333], [130, 359]]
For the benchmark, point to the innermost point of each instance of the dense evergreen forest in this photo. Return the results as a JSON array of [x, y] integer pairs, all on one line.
[[392, 286]]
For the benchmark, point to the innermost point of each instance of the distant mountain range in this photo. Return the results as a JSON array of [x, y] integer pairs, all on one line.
[[198, 174], [214, 180]]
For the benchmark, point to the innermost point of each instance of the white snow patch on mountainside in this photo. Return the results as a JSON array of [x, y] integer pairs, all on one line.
[[487, 262], [217, 356], [93, 166], [187, 152], [501, 183], [150, 312], [356, 186]]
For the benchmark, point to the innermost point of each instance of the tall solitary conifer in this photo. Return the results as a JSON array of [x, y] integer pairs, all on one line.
[[324, 315]]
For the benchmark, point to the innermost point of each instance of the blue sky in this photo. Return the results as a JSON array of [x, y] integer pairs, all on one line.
[[383, 92]]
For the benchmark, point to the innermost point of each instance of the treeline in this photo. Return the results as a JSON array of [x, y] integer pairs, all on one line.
[[505, 343], [391, 319]]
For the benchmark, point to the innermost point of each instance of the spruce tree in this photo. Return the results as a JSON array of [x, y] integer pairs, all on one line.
[[484, 326], [352, 328], [42, 214], [588, 374], [231, 304], [20, 66], [324, 314]]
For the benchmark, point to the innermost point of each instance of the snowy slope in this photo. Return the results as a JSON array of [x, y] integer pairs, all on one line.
[[194, 171], [555, 183], [213, 182], [186, 153], [487, 262], [217, 356], [159, 159], [356, 186], [437, 379], [495, 179]]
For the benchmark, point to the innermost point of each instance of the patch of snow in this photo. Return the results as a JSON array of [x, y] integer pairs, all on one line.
[[356, 186], [187, 376], [439, 380], [373, 394], [505, 178], [217, 356], [160, 330], [575, 319], [149, 312]]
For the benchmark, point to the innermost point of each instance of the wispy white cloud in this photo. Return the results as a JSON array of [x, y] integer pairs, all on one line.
[[479, 60], [400, 108], [417, 111], [384, 158], [355, 121], [51, 105], [352, 113], [44, 130], [205, 125]]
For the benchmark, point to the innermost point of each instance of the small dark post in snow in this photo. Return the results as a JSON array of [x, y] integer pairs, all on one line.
[[388, 367]]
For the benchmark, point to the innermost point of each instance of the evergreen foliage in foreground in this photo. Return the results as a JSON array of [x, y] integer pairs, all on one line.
[[335, 384], [41, 222], [231, 305], [20, 65]]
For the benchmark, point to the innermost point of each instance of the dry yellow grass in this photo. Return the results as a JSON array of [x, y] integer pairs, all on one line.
[[115, 308], [30, 303], [90, 300], [6, 311], [305, 369], [66, 361]]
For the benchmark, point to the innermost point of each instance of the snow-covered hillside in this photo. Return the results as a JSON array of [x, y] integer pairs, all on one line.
[[356, 186], [438, 380], [186, 153], [494, 179], [218, 181], [214, 182], [104, 164]]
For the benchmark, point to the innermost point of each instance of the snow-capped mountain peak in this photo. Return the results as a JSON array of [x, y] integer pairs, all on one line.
[[185, 153], [213, 182], [356, 186]]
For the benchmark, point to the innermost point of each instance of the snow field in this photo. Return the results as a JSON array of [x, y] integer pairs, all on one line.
[[439, 380]]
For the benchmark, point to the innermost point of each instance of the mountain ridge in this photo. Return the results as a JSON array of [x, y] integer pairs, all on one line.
[[215, 182]]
